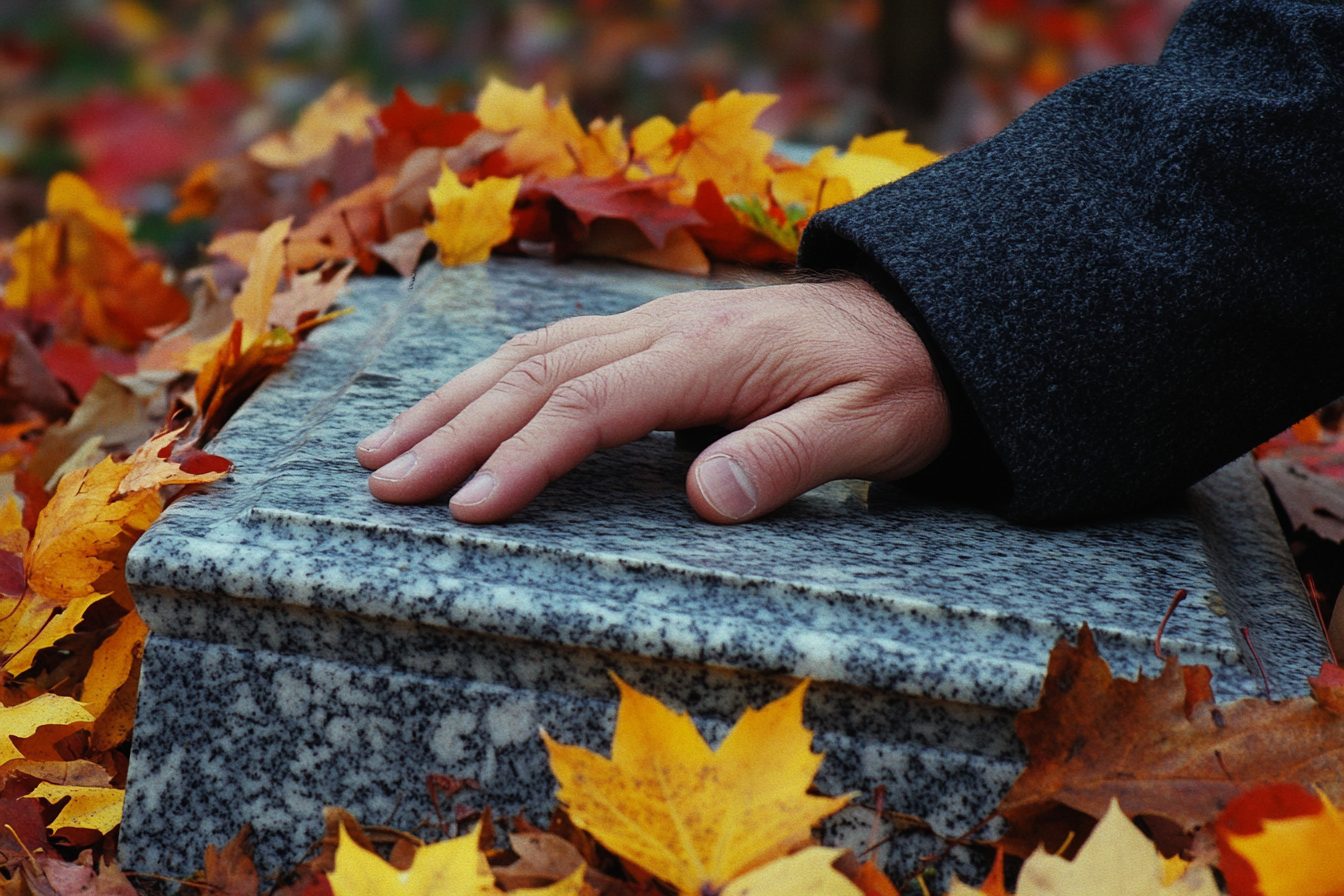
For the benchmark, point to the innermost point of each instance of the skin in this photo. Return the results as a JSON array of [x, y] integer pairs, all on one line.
[[817, 381]]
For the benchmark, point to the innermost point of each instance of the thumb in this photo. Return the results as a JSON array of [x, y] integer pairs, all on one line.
[[763, 466]]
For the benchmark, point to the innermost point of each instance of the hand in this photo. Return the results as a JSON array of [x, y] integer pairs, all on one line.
[[820, 381]]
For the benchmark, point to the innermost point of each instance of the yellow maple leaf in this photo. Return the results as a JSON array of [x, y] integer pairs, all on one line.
[[718, 142], [451, 868], [546, 139], [41, 630], [13, 537], [24, 720], [894, 147], [340, 112], [92, 808], [470, 221], [1298, 856], [1116, 860], [85, 531], [808, 872], [692, 816]]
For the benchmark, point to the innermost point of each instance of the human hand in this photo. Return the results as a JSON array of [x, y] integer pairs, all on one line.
[[820, 381]]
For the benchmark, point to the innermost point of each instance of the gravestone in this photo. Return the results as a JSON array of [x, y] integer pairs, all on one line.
[[311, 646]]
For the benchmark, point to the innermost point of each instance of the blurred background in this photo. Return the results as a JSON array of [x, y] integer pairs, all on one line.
[[134, 93]]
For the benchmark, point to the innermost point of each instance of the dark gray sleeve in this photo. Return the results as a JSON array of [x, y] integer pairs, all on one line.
[[1140, 278]]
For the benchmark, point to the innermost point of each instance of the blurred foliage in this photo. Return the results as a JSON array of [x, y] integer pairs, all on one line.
[[134, 93]]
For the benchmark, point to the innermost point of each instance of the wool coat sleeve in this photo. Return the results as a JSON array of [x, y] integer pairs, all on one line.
[[1139, 279]]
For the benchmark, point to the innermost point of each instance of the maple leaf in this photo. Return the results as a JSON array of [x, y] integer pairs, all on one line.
[[548, 140], [252, 305], [345, 229], [156, 464], [692, 816], [86, 531], [77, 269], [643, 203], [451, 868], [1116, 860], [1281, 840], [25, 719], [808, 872], [718, 142], [340, 112], [408, 126], [1159, 745], [1327, 688], [94, 808], [470, 221]]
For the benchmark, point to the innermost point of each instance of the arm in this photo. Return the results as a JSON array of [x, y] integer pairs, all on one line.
[[1140, 278]]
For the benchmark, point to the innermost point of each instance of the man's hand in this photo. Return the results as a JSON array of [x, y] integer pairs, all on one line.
[[819, 381]]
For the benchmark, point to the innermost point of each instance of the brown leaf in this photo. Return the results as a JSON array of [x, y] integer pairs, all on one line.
[[111, 411], [230, 870], [310, 293], [1094, 737], [23, 833], [403, 251], [543, 859]]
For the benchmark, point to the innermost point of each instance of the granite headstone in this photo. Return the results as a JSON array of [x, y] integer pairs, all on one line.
[[311, 646]]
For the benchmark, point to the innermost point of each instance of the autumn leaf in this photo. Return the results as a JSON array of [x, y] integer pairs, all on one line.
[[347, 228], [451, 868], [156, 464], [1116, 860], [1327, 688], [1093, 738], [894, 147], [1281, 840], [408, 126], [252, 305], [24, 720], [77, 270], [94, 808], [808, 872], [85, 532], [692, 816], [718, 142], [547, 140], [643, 203], [470, 221], [340, 112]]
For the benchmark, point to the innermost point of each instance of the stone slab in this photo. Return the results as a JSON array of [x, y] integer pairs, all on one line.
[[311, 646]]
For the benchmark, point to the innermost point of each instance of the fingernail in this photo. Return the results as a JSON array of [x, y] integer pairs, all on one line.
[[397, 469], [376, 441], [477, 489], [726, 486]]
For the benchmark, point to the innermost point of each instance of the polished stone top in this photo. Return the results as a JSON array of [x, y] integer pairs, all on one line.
[[854, 583]]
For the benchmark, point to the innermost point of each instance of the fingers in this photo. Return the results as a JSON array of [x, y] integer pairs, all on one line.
[[434, 410], [839, 434], [446, 455], [610, 406]]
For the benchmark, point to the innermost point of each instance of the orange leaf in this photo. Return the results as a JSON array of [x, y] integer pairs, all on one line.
[[85, 532], [1327, 687], [725, 237], [155, 464], [1281, 840]]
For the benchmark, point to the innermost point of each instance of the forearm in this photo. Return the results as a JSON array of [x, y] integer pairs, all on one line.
[[1137, 280]]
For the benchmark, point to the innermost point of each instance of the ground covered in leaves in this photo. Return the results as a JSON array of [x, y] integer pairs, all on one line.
[[118, 369]]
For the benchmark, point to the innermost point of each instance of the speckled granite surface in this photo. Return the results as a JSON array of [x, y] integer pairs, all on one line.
[[312, 646]]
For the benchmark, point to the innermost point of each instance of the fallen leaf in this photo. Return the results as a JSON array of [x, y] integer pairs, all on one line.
[[1281, 840], [85, 532], [311, 293], [252, 305], [50, 875], [726, 237], [408, 126], [808, 872], [340, 112], [111, 411], [611, 238], [470, 221], [695, 817], [23, 833], [24, 720], [1116, 860], [873, 881], [452, 868], [1327, 687], [93, 808], [1093, 738], [403, 251], [718, 142], [231, 870], [643, 203], [547, 140]]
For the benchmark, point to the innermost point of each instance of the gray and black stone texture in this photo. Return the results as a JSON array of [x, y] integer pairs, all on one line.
[[311, 646]]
